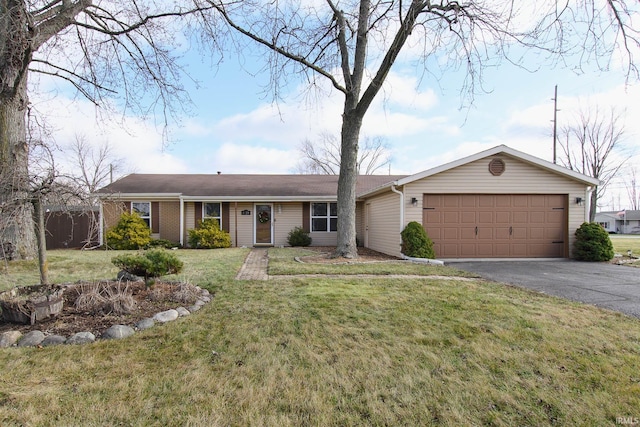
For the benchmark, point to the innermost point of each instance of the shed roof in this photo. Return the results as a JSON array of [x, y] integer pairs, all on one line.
[[235, 186]]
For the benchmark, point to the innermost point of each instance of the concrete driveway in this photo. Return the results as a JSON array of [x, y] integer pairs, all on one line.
[[605, 285]]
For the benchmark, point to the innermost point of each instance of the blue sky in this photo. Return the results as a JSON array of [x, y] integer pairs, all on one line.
[[234, 127]]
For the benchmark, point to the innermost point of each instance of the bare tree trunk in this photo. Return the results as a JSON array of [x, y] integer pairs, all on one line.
[[593, 205], [38, 218], [16, 224], [346, 246]]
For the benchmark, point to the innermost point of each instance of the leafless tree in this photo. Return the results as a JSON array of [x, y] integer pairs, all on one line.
[[323, 157], [94, 166], [117, 49], [354, 44], [593, 145], [633, 189]]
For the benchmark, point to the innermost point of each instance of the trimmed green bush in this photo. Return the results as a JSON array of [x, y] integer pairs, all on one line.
[[131, 232], [298, 237], [209, 235], [149, 264], [592, 243], [415, 242], [162, 243]]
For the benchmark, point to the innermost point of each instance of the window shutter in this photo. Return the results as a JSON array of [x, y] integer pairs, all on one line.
[[225, 217], [198, 209], [155, 217], [306, 217]]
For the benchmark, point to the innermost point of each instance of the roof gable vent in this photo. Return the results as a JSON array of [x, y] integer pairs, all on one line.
[[496, 167]]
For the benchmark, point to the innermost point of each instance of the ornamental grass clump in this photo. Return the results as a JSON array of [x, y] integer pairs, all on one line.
[[415, 242], [209, 235], [592, 243]]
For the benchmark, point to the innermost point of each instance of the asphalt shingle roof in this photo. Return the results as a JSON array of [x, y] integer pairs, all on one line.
[[214, 185]]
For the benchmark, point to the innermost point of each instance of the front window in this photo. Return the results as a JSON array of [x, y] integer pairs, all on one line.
[[212, 210], [324, 217], [143, 209]]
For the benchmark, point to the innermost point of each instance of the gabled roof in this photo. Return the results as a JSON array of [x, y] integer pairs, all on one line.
[[500, 149], [623, 215], [238, 187]]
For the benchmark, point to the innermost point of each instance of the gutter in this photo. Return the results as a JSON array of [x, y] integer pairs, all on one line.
[[393, 188]]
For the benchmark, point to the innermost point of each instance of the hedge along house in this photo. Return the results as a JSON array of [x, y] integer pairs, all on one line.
[[499, 203]]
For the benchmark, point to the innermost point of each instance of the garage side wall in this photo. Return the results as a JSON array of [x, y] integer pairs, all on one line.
[[382, 223], [518, 178]]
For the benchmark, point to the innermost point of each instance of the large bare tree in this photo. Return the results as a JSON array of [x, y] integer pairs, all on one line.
[[323, 157], [108, 49], [593, 145], [354, 43]]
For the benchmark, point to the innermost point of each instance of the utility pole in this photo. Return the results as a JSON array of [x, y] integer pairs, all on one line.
[[555, 121]]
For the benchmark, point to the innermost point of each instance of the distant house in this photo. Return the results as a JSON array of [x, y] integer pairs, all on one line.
[[623, 222], [496, 203]]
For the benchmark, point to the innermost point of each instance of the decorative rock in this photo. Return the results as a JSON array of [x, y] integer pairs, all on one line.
[[9, 338], [81, 338], [31, 339], [128, 277], [204, 292], [145, 324], [205, 298], [166, 316], [195, 307], [118, 332], [182, 311], [53, 340]]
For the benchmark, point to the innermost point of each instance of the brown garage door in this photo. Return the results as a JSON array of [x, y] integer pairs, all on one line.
[[496, 225]]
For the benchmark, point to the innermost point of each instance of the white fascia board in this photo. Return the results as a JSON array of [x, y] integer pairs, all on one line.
[[258, 199], [138, 196], [502, 149]]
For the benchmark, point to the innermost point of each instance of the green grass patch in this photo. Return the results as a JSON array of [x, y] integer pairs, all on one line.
[[202, 267], [332, 352], [282, 261], [624, 243]]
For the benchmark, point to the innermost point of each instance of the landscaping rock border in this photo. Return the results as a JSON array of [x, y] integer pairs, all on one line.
[[39, 339]]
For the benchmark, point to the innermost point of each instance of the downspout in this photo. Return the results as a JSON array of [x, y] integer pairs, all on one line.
[[101, 223], [181, 221], [587, 205], [393, 188]]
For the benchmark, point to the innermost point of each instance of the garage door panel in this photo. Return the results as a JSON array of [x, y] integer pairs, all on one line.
[[486, 217], [503, 217], [496, 225]]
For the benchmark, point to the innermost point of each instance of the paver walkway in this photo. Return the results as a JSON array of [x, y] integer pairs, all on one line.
[[255, 266]]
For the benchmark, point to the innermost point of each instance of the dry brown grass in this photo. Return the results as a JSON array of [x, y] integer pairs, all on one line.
[[336, 352]]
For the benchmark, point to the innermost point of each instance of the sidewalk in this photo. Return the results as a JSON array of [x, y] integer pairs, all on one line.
[[255, 266]]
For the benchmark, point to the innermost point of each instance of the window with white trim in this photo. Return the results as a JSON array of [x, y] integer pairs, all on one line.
[[212, 210], [143, 209], [324, 216]]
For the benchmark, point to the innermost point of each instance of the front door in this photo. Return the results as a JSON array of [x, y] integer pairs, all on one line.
[[263, 223]]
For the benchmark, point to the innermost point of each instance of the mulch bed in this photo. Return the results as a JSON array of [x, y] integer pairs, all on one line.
[[324, 256], [148, 302]]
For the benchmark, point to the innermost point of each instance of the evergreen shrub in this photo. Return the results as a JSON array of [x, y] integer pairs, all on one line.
[[131, 232], [149, 264], [298, 237], [592, 243], [209, 235], [415, 242]]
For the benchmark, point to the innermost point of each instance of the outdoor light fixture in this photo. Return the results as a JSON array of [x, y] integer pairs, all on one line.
[[414, 201], [579, 201]]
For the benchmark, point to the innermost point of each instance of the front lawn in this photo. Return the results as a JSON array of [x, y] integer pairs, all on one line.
[[322, 351]]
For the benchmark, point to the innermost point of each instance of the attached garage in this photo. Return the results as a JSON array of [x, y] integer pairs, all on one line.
[[499, 203], [496, 225]]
